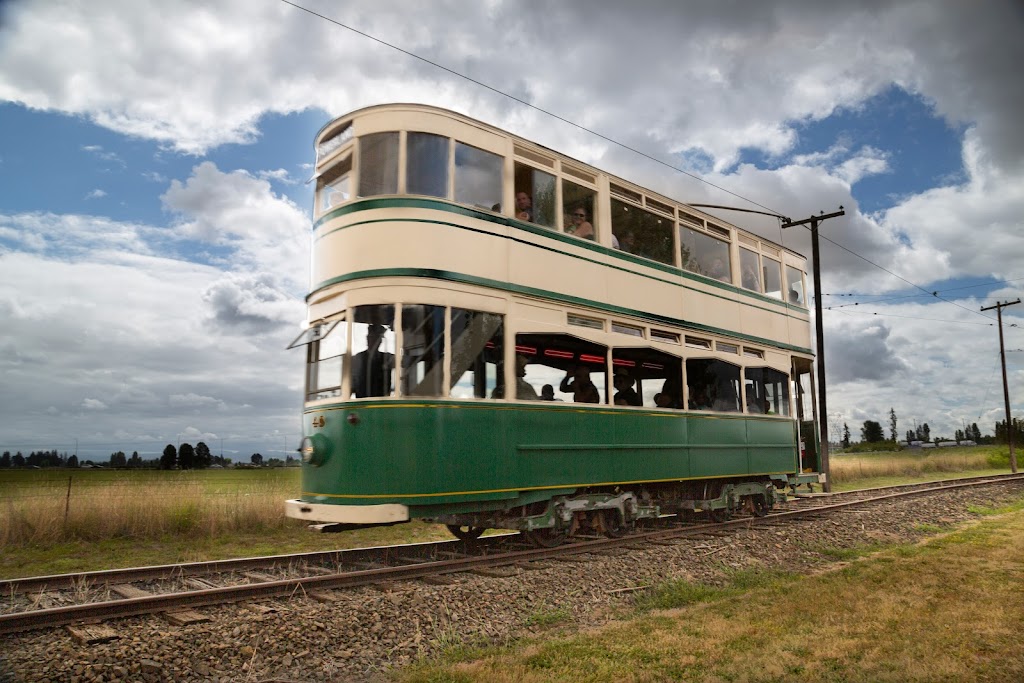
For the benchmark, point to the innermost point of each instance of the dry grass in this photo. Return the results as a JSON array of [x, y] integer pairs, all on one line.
[[851, 469], [949, 610]]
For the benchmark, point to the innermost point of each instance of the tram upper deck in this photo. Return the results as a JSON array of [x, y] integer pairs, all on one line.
[[410, 192]]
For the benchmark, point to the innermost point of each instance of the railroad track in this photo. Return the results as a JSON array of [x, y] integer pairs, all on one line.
[[177, 590]]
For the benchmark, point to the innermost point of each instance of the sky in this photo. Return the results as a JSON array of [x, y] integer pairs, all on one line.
[[155, 216]]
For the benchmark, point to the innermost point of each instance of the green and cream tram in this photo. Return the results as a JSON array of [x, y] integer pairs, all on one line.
[[501, 336]]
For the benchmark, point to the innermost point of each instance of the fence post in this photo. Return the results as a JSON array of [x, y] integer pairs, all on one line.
[[67, 505]]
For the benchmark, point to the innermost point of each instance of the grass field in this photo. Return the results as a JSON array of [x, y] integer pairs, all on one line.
[[127, 518], [950, 609]]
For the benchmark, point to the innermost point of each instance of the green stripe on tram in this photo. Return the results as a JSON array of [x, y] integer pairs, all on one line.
[[437, 205], [463, 278]]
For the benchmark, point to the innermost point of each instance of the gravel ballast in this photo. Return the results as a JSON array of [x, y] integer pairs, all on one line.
[[365, 631]]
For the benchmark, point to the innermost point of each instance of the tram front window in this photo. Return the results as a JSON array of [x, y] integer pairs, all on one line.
[[478, 177], [795, 281], [378, 164], [373, 351], [422, 350], [426, 165], [477, 353]]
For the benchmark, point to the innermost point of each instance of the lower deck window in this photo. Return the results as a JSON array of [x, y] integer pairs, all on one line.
[[713, 385], [422, 350], [767, 391], [477, 353], [373, 351], [647, 377], [557, 367]]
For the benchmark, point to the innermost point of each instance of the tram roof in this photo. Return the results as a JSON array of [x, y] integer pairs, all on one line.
[[517, 138]]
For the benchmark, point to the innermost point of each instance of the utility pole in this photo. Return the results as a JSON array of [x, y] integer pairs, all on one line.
[[1006, 387], [820, 332]]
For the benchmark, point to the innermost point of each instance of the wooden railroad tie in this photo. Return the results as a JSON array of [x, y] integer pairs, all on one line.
[[92, 634]]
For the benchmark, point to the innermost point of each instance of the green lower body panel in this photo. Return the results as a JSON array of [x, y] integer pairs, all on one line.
[[433, 455]]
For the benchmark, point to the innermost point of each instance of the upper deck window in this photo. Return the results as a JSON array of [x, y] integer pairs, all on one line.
[[705, 255], [535, 196], [772, 277], [334, 141], [641, 232], [478, 178], [426, 165], [378, 164], [578, 210], [750, 271], [335, 186], [795, 280]]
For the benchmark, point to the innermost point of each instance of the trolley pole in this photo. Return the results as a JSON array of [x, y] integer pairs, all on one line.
[[1006, 387], [820, 333]]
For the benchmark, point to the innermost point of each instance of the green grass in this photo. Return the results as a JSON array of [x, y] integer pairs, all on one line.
[[950, 609]]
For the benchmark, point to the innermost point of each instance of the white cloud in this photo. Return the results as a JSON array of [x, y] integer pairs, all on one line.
[[278, 174], [96, 194], [93, 404]]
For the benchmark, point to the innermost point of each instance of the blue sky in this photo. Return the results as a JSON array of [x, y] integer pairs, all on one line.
[[154, 219]]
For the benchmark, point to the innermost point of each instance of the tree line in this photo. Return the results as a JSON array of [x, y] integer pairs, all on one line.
[[873, 432], [184, 457]]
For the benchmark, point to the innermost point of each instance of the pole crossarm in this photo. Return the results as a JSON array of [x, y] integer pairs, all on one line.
[[787, 223]]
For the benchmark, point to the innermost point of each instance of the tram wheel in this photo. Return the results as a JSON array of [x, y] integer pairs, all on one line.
[[612, 524], [466, 533], [720, 515], [545, 538], [759, 506]]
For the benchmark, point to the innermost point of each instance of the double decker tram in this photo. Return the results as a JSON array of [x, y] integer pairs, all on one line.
[[500, 336]]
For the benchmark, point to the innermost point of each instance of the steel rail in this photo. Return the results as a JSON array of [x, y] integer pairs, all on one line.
[[60, 616]]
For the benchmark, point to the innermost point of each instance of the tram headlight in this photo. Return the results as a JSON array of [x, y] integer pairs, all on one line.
[[314, 450]]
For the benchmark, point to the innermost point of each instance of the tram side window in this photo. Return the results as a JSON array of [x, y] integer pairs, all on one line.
[[795, 281], [713, 385], [373, 351], [558, 367], [767, 391], [641, 232], [426, 164], [378, 164], [422, 350], [647, 377], [578, 210], [478, 177], [477, 348], [772, 277], [335, 187], [705, 255], [535, 196], [750, 271]]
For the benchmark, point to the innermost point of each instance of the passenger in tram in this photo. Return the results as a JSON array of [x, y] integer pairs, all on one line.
[[627, 242], [371, 369], [524, 390], [581, 227], [754, 404], [547, 393], [524, 207], [671, 395], [625, 394], [577, 382], [699, 399], [725, 399]]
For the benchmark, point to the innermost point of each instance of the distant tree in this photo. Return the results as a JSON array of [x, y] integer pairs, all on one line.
[[924, 433], [975, 432], [911, 436], [73, 461], [892, 424], [256, 459], [118, 459], [871, 432], [846, 435], [18, 460], [203, 457], [960, 435], [169, 460], [5, 460], [135, 462], [186, 457]]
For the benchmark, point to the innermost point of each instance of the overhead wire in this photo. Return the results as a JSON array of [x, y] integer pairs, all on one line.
[[603, 137]]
